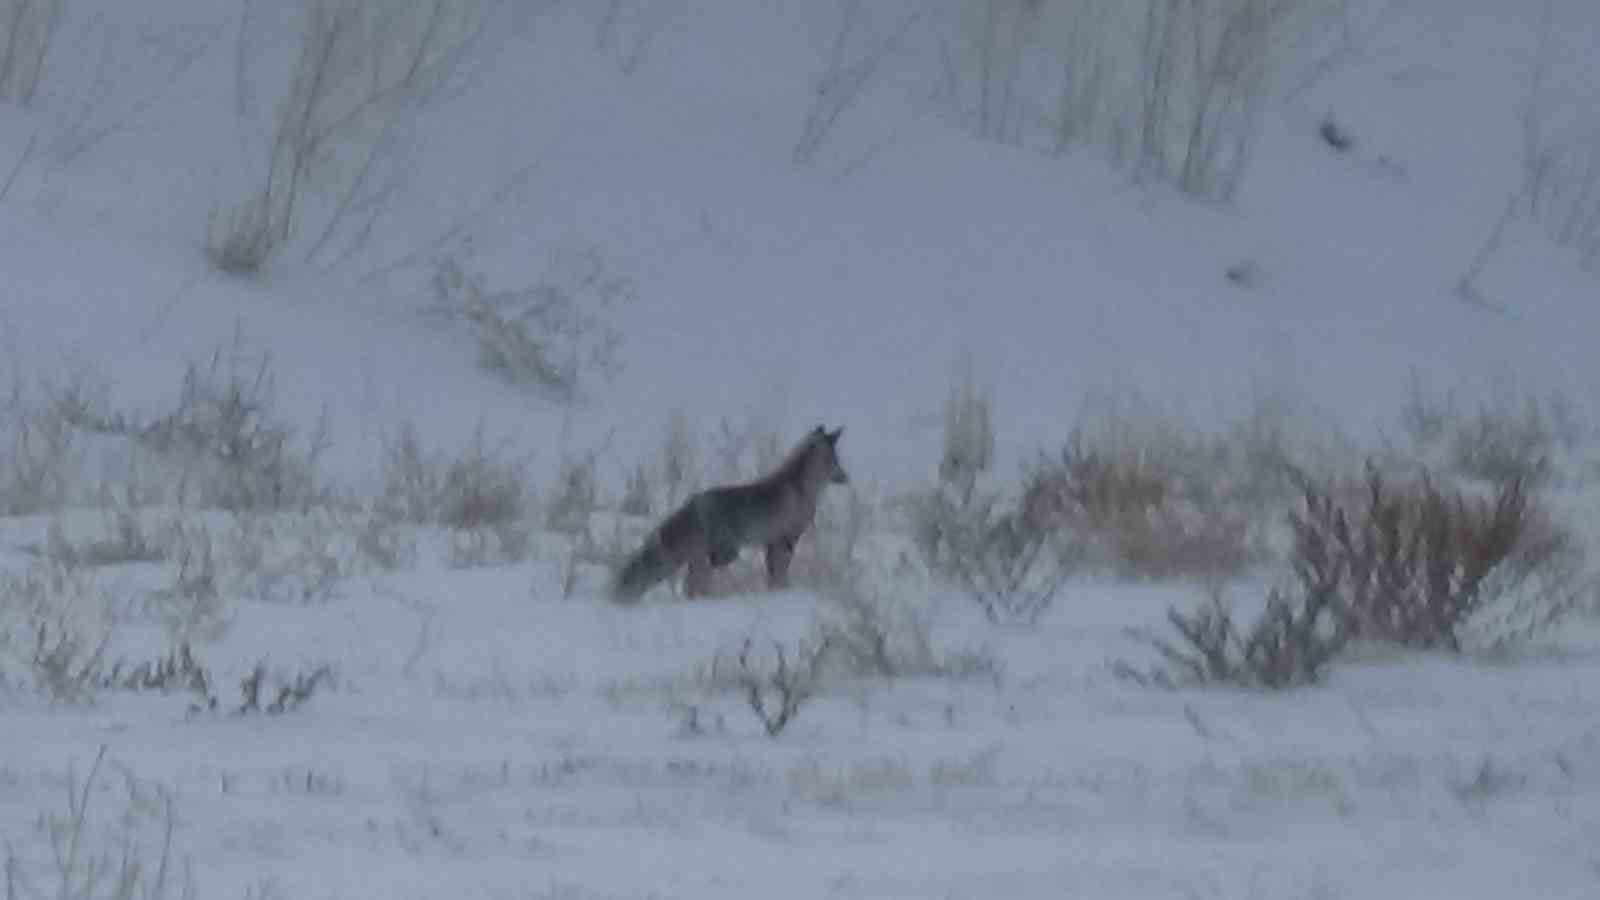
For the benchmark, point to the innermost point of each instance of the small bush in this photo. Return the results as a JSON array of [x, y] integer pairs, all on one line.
[[360, 73], [577, 494], [1418, 559], [556, 335], [480, 488], [490, 545], [777, 686], [680, 460], [36, 455], [1291, 642], [126, 540], [1160, 506], [282, 694], [968, 433], [638, 497], [867, 636], [53, 632], [295, 560], [242, 455], [127, 854], [1009, 562]]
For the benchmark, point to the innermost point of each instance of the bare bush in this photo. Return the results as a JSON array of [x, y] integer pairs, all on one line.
[[849, 71], [479, 488], [36, 455], [777, 686], [225, 443], [192, 606], [295, 560], [274, 695], [1173, 90], [1418, 559], [573, 502], [1290, 643], [1151, 511], [557, 334], [125, 540], [490, 545], [177, 670], [968, 432], [26, 30], [869, 636], [1510, 436], [362, 69], [1010, 563], [680, 460], [131, 854], [382, 541], [54, 631], [638, 495], [240, 454]]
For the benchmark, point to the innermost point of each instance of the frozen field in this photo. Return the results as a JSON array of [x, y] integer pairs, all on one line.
[[474, 718]]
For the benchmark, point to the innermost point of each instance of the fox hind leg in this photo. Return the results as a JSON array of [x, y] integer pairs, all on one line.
[[697, 581]]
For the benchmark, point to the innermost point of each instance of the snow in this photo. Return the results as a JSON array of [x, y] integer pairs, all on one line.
[[490, 732]]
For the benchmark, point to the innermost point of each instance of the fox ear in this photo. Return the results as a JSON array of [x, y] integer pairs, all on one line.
[[833, 436]]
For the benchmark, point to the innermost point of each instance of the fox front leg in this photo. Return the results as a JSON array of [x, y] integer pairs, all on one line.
[[779, 553]]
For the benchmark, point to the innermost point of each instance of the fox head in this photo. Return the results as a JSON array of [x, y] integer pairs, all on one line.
[[825, 444]]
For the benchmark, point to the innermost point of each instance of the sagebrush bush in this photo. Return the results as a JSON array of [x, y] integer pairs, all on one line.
[[1418, 559], [36, 456], [237, 449], [1414, 566], [479, 488], [1290, 642], [1010, 563], [322, 178], [1163, 506], [557, 334]]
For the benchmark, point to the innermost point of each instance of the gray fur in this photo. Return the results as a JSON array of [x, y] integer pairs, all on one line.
[[709, 529]]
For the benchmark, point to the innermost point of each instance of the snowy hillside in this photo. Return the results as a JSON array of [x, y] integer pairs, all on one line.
[[359, 340]]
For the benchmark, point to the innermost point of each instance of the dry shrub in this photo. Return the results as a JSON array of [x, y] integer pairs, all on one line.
[[968, 451], [873, 637], [1416, 566], [1167, 505], [125, 540], [241, 454], [1510, 436], [36, 455], [558, 334], [480, 488], [76, 854], [1423, 562], [575, 497], [680, 460], [1289, 644], [638, 496], [1008, 561], [54, 630], [774, 684]]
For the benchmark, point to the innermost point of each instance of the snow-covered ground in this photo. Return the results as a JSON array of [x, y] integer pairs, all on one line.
[[501, 730]]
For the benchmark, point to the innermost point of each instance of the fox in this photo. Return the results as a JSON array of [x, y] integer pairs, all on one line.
[[712, 526]]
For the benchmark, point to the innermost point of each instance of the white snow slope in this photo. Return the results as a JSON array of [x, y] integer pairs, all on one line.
[[503, 731]]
